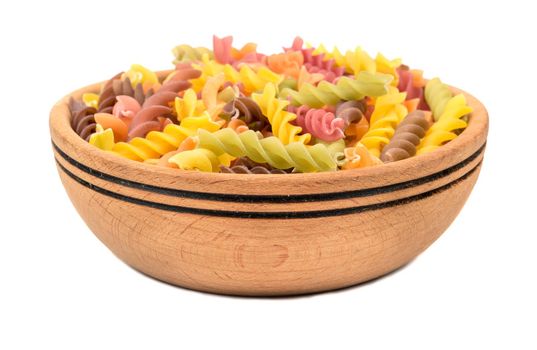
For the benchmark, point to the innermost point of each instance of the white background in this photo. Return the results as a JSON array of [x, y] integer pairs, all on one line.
[[62, 289]]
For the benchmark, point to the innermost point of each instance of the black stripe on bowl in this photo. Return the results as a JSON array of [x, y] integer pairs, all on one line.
[[245, 198], [268, 215]]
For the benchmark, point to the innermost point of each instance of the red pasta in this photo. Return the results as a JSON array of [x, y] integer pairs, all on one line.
[[317, 63], [320, 123], [411, 82]]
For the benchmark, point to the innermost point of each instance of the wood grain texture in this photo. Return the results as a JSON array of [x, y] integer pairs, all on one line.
[[321, 231]]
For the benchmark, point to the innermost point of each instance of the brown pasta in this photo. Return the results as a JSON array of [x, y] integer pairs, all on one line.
[[107, 97], [82, 118], [154, 107], [124, 88], [247, 110], [245, 165], [241, 169], [407, 136], [118, 87], [350, 111]]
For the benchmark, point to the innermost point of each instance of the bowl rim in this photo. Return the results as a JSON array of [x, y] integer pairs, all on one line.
[[67, 143]]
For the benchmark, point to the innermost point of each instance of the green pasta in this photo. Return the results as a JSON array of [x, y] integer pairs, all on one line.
[[437, 95], [187, 53], [346, 89], [269, 150]]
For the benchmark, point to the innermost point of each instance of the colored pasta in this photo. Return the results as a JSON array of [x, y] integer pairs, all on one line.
[[247, 166], [437, 95], [280, 120], [407, 136], [389, 111], [446, 127], [346, 89], [237, 110]]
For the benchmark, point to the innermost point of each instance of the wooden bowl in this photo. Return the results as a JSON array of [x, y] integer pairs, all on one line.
[[267, 234]]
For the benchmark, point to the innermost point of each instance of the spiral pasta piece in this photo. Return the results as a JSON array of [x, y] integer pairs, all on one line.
[[247, 166], [359, 157], [358, 60], [157, 143], [246, 110], [124, 88], [320, 123], [279, 118], [188, 105], [252, 80], [365, 84], [107, 97], [351, 111], [411, 82], [196, 159], [288, 63], [269, 150], [305, 77], [109, 121], [183, 73], [102, 138], [443, 130], [355, 131], [186, 53], [241, 169], [82, 119], [91, 99], [114, 87], [336, 149], [225, 53], [407, 136], [139, 74], [389, 111], [437, 95], [316, 63], [157, 106], [126, 108]]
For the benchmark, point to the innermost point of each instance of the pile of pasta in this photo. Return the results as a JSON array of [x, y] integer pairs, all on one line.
[[305, 109]]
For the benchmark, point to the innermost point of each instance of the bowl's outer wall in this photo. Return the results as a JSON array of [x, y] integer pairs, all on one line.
[[229, 245], [267, 256]]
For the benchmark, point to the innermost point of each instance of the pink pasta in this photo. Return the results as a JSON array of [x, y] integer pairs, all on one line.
[[410, 83], [225, 53], [320, 123], [126, 108], [317, 63]]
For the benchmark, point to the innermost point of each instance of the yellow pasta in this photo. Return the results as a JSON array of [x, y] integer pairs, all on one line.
[[389, 111], [252, 80], [187, 53], [103, 139], [275, 111], [188, 105], [138, 74], [157, 143], [90, 99], [200, 159], [442, 131], [357, 60]]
